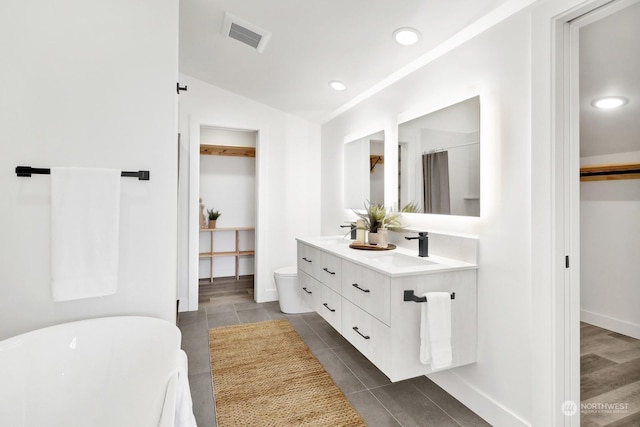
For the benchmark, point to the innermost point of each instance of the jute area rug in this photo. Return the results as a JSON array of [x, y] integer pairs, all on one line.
[[265, 375]]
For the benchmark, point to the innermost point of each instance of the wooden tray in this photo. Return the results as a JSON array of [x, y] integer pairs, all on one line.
[[367, 247]]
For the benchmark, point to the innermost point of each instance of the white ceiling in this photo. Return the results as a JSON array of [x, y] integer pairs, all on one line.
[[610, 65], [313, 42]]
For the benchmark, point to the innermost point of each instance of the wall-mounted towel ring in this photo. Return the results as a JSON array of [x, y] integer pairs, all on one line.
[[28, 171], [410, 296]]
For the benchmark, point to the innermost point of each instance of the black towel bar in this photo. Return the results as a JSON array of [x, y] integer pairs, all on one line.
[[28, 171], [410, 296]]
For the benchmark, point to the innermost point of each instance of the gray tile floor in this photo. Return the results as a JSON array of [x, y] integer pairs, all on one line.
[[415, 402]]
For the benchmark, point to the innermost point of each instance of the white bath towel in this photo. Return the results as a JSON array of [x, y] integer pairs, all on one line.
[[85, 217], [435, 330], [184, 405]]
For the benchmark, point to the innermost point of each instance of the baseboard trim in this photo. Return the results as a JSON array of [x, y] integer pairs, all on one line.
[[267, 295], [611, 323], [476, 400]]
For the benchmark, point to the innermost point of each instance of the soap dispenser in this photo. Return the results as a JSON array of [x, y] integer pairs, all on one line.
[[360, 231], [382, 236]]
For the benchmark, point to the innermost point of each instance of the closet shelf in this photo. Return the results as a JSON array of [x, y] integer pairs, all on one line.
[[610, 172], [237, 253], [227, 150]]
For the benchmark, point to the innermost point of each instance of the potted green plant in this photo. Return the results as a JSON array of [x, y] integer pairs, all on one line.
[[375, 215], [213, 216]]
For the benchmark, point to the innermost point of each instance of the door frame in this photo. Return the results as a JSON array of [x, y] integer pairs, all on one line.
[[195, 124], [556, 206]]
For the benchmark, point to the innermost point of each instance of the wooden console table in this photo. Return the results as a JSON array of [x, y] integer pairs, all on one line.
[[237, 253]]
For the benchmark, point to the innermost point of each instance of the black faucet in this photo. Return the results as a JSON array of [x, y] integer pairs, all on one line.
[[423, 243], [353, 230]]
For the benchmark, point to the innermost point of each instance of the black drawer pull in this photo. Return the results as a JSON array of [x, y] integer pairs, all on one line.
[[305, 289], [355, 285], [366, 337], [304, 258], [329, 308], [330, 272]]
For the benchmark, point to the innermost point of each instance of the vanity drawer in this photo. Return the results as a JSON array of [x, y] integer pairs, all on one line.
[[330, 271], [330, 307], [367, 289], [309, 289], [370, 336], [308, 259]]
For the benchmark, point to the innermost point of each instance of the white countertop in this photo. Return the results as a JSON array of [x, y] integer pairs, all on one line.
[[395, 263]]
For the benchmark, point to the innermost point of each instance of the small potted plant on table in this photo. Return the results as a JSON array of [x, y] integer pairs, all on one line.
[[374, 216]]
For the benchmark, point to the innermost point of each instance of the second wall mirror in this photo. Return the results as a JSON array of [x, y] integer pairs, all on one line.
[[364, 171]]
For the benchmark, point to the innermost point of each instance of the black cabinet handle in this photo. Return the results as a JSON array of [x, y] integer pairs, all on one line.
[[328, 308], [330, 272], [305, 289], [366, 337], [304, 258], [355, 285]]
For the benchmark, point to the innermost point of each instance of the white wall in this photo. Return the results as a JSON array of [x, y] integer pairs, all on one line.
[[609, 242], [88, 83], [287, 177], [228, 184], [496, 66]]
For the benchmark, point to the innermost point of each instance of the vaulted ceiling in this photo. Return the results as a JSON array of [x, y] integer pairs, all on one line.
[[315, 41]]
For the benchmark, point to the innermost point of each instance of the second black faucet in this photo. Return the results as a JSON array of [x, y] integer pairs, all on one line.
[[423, 243]]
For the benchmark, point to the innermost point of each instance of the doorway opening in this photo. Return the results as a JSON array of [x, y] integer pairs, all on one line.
[[227, 214], [609, 213], [593, 224]]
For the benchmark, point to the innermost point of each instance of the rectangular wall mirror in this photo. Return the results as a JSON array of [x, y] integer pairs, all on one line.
[[439, 161], [364, 171]]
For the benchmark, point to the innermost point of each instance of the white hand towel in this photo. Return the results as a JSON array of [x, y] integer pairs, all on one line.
[[435, 330], [85, 216]]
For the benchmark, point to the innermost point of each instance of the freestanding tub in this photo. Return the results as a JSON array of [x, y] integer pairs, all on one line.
[[111, 371]]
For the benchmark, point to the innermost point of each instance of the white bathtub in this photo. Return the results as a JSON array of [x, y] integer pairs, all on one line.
[[112, 371]]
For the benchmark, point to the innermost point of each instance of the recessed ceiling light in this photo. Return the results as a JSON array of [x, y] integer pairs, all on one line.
[[336, 85], [406, 36], [609, 102]]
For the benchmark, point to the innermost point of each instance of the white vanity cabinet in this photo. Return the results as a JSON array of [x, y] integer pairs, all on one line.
[[365, 303], [367, 289], [310, 289], [330, 307], [309, 260], [331, 271]]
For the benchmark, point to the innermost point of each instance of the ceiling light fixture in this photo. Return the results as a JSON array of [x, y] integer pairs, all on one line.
[[406, 36], [337, 85], [609, 102]]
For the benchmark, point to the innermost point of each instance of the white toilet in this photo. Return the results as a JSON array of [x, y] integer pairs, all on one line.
[[289, 296]]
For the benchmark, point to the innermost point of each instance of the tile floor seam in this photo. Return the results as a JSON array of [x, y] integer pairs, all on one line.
[[437, 406], [352, 373], [237, 315], [314, 331], [350, 370], [384, 406]]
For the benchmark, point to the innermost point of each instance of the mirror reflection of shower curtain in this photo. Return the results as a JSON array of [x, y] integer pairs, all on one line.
[[435, 177]]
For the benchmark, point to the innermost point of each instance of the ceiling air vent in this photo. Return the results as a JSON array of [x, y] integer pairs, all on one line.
[[243, 31]]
